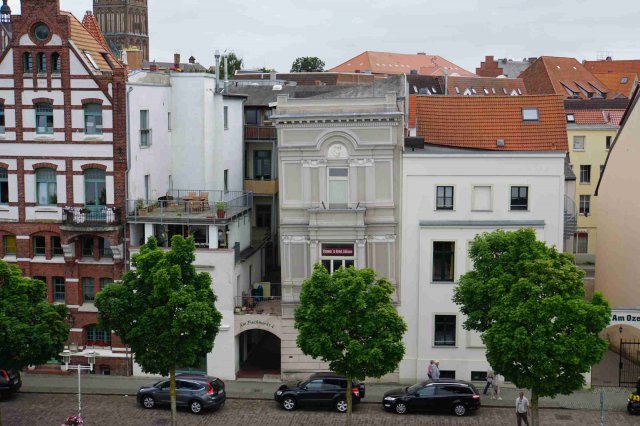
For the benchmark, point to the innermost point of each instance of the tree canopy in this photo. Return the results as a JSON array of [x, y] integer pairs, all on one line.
[[307, 64], [163, 309], [348, 320], [32, 331], [528, 301], [234, 62]]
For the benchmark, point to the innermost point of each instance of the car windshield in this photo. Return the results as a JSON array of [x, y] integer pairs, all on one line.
[[414, 388]]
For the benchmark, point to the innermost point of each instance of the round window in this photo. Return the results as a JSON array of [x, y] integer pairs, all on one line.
[[41, 31]]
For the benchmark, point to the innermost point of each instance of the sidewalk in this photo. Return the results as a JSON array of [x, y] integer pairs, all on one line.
[[615, 398]]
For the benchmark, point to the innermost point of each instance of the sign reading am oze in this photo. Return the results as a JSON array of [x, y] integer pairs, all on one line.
[[626, 316]]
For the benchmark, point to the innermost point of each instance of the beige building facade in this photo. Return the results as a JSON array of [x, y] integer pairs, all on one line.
[[340, 185], [618, 231]]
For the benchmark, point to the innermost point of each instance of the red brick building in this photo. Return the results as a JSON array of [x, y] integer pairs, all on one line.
[[125, 24], [63, 162]]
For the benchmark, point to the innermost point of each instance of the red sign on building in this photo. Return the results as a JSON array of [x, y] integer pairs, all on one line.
[[338, 250]]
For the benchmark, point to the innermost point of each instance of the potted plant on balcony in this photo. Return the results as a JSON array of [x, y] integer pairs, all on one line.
[[85, 210], [141, 210], [220, 209]]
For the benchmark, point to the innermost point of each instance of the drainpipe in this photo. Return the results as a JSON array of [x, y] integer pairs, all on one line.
[[126, 180]]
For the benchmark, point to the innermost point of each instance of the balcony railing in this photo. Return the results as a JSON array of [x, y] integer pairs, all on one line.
[[261, 186], [259, 133], [75, 216], [191, 205]]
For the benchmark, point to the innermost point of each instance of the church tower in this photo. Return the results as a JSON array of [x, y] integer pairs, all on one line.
[[125, 23]]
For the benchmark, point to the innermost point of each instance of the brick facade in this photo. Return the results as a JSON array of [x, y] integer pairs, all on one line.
[[74, 245], [124, 24]]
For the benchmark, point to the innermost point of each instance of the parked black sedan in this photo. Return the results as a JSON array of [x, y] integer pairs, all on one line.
[[321, 389], [455, 396]]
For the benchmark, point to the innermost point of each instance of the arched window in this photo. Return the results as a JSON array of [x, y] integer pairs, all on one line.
[[46, 188], [95, 188], [4, 186], [27, 62], [98, 337], [56, 63], [93, 119], [42, 63], [44, 118]]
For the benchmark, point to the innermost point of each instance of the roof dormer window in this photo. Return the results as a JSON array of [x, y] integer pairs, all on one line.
[[624, 80], [571, 118], [91, 60]]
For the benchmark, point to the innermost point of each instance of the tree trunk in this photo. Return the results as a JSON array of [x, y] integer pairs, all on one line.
[[349, 400], [534, 408], [172, 395]]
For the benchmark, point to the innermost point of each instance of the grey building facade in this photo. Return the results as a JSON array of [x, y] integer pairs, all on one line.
[[340, 187]]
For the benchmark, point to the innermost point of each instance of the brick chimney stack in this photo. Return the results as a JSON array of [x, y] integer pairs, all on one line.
[[176, 60]]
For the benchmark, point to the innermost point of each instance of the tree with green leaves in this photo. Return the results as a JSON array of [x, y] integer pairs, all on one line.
[[266, 70], [307, 64], [528, 302], [32, 331], [233, 62], [347, 319], [163, 309]]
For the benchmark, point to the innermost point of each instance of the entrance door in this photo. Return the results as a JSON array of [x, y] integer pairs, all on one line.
[[263, 216], [259, 354]]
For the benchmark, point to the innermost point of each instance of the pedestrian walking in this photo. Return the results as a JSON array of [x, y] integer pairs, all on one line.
[[522, 409], [490, 376], [430, 369], [435, 370], [498, 380]]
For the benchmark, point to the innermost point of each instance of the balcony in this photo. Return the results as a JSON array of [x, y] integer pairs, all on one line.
[[190, 206], [253, 132], [265, 301], [261, 186], [100, 219]]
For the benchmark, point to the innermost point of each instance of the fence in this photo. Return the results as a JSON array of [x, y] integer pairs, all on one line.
[[629, 367]]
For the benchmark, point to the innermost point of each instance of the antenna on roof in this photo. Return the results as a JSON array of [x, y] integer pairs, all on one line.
[[603, 55]]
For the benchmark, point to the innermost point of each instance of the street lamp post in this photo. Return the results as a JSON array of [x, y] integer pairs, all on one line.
[[66, 358]]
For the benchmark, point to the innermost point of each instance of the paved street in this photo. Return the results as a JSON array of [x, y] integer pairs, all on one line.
[[109, 410]]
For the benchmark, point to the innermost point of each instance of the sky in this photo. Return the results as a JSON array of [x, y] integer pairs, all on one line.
[[274, 33]]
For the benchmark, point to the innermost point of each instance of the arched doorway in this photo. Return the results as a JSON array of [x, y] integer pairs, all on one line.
[[259, 355]]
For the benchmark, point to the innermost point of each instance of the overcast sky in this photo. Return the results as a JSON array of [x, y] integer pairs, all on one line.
[[273, 33]]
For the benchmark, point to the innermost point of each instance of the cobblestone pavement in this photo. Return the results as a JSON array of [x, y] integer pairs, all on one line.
[[51, 409]]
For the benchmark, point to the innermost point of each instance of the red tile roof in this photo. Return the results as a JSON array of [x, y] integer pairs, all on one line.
[[87, 42], [562, 76], [479, 121], [619, 82], [91, 24], [622, 66], [486, 86], [596, 116], [400, 63]]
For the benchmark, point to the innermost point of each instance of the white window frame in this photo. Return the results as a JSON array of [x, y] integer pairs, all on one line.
[[445, 185], [341, 179], [343, 259], [584, 142]]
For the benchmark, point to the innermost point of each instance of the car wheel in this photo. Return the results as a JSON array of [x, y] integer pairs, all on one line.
[[400, 408], [195, 406], [341, 405], [459, 409], [148, 401], [289, 403]]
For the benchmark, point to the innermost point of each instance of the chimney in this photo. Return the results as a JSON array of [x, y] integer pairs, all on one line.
[[134, 59], [273, 76], [153, 67], [217, 56], [488, 58], [609, 58], [176, 60], [192, 60]]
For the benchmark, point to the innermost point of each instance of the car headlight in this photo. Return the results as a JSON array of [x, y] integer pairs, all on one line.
[[389, 398], [279, 393]]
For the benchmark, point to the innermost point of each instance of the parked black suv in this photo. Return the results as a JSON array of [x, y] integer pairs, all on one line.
[[321, 389], [456, 396], [198, 392], [9, 382]]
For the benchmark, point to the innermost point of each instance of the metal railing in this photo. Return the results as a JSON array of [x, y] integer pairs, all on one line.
[[90, 217], [184, 205], [256, 132], [570, 217]]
